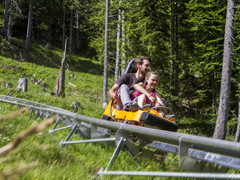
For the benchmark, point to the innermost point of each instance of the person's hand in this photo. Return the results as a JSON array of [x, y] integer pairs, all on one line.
[[114, 96], [152, 99]]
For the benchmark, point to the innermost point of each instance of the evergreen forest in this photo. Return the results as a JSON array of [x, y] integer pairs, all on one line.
[[193, 44]]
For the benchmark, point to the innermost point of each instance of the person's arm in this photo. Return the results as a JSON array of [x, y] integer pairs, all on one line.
[[112, 91], [141, 89], [159, 100]]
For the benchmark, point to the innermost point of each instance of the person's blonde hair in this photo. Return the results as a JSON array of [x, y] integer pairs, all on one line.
[[152, 72]]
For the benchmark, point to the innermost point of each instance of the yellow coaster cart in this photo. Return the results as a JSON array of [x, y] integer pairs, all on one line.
[[147, 117]]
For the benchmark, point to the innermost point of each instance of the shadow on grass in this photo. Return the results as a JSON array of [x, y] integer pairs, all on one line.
[[85, 66], [53, 57], [48, 56]]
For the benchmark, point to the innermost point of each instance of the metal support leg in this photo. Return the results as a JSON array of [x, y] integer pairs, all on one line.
[[37, 115], [82, 134], [95, 133], [116, 152], [70, 134], [189, 164], [41, 115], [132, 150], [88, 141], [85, 129], [31, 113], [55, 126], [48, 115], [185, 161], [59, 129]]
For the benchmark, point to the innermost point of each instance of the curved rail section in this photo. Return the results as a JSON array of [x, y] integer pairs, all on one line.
[[194, 151]]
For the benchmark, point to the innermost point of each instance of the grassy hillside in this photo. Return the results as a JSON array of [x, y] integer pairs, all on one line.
[[83, 84], [83, 77]]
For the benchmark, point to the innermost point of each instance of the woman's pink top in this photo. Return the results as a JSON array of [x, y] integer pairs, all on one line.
[[137, 93]]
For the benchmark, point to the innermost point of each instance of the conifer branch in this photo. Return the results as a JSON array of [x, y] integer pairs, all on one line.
[[232, 38], [235, 62]]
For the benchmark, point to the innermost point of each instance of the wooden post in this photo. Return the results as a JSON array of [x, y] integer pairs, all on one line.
[[60, 84]]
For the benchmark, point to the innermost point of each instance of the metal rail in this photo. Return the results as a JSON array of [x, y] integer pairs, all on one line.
[[27, 102], [190, 148], [172, 174]]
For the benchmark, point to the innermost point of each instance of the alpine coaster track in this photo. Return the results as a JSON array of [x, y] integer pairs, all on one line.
[[194, 151]]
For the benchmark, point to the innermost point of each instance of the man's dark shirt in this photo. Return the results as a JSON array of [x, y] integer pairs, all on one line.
[[129, 79]]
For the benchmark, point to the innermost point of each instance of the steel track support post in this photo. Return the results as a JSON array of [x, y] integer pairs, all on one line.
[[185, 161], [84, 129], [97, 132], [89, 141], [47, 114], [132, 150], [19, 107], [75, 127], [94, 133], [31, 113], [37, 115], [59, 129], [41, 115], [189, 164], [55, 126], [116, 152], [82, 134]]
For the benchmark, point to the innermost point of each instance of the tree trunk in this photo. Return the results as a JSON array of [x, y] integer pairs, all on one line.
[[238, 125], [5, 18], [63, 29], [77, 29], [123, 62], [117, 48], [29, 27], [105, 81], [71, 29], [10, 22], [174, 46], [172, 41], [214, 95], [60, 84], [176, 49], [221, 124]]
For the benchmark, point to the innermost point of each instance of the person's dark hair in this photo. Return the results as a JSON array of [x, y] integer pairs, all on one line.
[[140, 60]]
